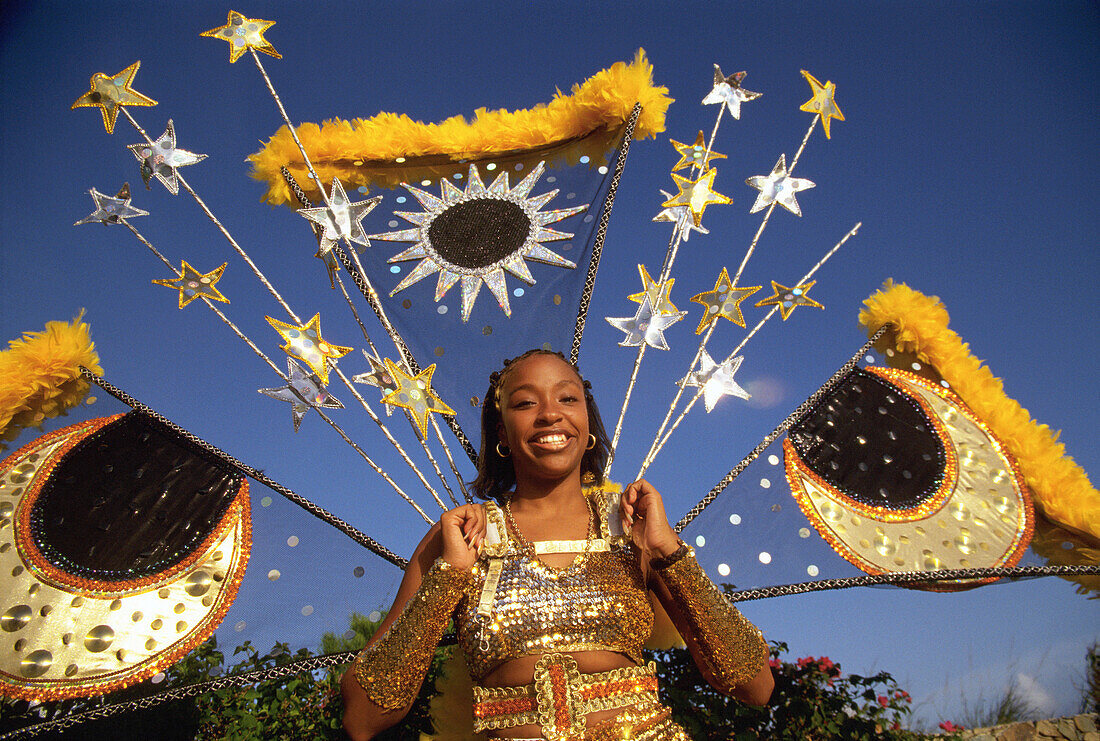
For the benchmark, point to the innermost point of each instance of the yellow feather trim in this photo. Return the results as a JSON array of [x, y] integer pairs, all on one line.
[[1060, 487], [40, 375], [364, 151]]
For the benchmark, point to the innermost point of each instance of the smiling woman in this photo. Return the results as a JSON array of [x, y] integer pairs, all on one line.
[[556, 583]]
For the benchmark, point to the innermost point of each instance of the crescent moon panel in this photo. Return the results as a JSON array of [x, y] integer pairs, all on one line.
[[93, 603], [945, 496]]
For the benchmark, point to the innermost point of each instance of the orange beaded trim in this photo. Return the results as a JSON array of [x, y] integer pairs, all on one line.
[[560, 697], [36, 562], [932, 504], [794, 466]]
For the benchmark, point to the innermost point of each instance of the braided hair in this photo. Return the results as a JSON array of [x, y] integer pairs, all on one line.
[[495, 475]]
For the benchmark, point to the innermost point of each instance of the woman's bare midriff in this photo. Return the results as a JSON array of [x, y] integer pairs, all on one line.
[[521, 671]]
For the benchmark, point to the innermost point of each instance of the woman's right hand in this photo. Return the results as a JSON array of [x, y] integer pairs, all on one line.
[[463, 531]]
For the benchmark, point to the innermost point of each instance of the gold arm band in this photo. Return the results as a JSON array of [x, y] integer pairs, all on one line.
[[732, 647], [392, 669]]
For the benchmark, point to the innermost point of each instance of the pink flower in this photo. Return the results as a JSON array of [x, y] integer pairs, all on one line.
[[825, 663], [951, 727], [805, 661], [775, 663], [883, 700]]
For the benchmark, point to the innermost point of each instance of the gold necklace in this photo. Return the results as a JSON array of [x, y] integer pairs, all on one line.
[[529, 548]]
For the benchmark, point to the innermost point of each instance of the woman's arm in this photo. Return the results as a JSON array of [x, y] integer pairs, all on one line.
[[383, 682], [727, 648]]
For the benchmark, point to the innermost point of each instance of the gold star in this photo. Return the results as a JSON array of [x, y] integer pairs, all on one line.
[[788, 298], [415, 394], [243, 34], [724, 301], [657, 292], [306, 344], [108, 93], [192, 284], [822, 102], [692, 154], [696, 195]]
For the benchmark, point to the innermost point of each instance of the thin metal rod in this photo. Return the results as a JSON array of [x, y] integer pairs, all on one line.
[[260, 353], [376, 305], [253, 473], [408, 417], [386, 432], [803, 408], [601, 235], [817, 266], [225, 232]]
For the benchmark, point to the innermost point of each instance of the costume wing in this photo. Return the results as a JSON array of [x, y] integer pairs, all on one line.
[[909, 460]]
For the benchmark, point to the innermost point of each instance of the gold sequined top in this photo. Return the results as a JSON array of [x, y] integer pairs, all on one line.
[[598, 604]]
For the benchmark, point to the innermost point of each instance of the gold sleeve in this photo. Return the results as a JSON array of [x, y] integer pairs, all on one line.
[[732, 648], [392, 669]]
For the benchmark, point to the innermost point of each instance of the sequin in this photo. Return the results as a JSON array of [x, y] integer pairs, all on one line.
[[731, 647], [597, 605], [392, 669]]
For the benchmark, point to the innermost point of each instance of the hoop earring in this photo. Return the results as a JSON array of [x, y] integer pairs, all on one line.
[[591, 441], [503, 453]]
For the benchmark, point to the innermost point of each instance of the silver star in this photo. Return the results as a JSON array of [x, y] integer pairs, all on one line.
[[341, 219], [110, 210], [161, 158], [680, 216], [778, 187], [728, 90], [645, 326], [716, 380], [304, 391], [378, 376]]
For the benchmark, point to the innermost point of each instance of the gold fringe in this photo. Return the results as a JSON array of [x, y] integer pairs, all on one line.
[[1061, 489], [40, 375], [363, 151]]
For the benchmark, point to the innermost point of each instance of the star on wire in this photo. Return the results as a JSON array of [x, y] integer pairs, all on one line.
[[192, 284], [723, 301], [696, 195], [657, 293], [728, 90], [679, 216], [415, 394], [695, 154], [716, 379], [305, 343], [645, 326], [161, 158], [377, 376], [778, 187], [110, 210], [242, 34], [304, 392], [109, 93], [788, 298], [341, 220], [822, 102]]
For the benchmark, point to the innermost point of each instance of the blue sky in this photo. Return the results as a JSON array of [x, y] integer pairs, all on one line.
[[967, 152]]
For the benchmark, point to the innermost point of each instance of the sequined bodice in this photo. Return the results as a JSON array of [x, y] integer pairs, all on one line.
[[599, 604]]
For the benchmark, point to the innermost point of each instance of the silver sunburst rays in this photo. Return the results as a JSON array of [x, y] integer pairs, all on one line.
[[475, 235]]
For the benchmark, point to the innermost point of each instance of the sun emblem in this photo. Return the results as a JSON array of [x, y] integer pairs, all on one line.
[[477, 234]]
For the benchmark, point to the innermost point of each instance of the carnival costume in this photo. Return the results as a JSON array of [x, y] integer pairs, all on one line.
[[510, 605]]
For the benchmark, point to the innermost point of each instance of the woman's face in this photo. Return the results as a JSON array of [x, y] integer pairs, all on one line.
[[544, 418]]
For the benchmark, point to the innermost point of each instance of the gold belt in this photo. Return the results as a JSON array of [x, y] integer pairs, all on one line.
[[560, 697]]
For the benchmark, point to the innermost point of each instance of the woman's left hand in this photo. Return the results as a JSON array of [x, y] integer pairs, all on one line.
[[644, 511]]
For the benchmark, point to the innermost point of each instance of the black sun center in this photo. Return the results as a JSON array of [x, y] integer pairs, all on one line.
[[479, 232]]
